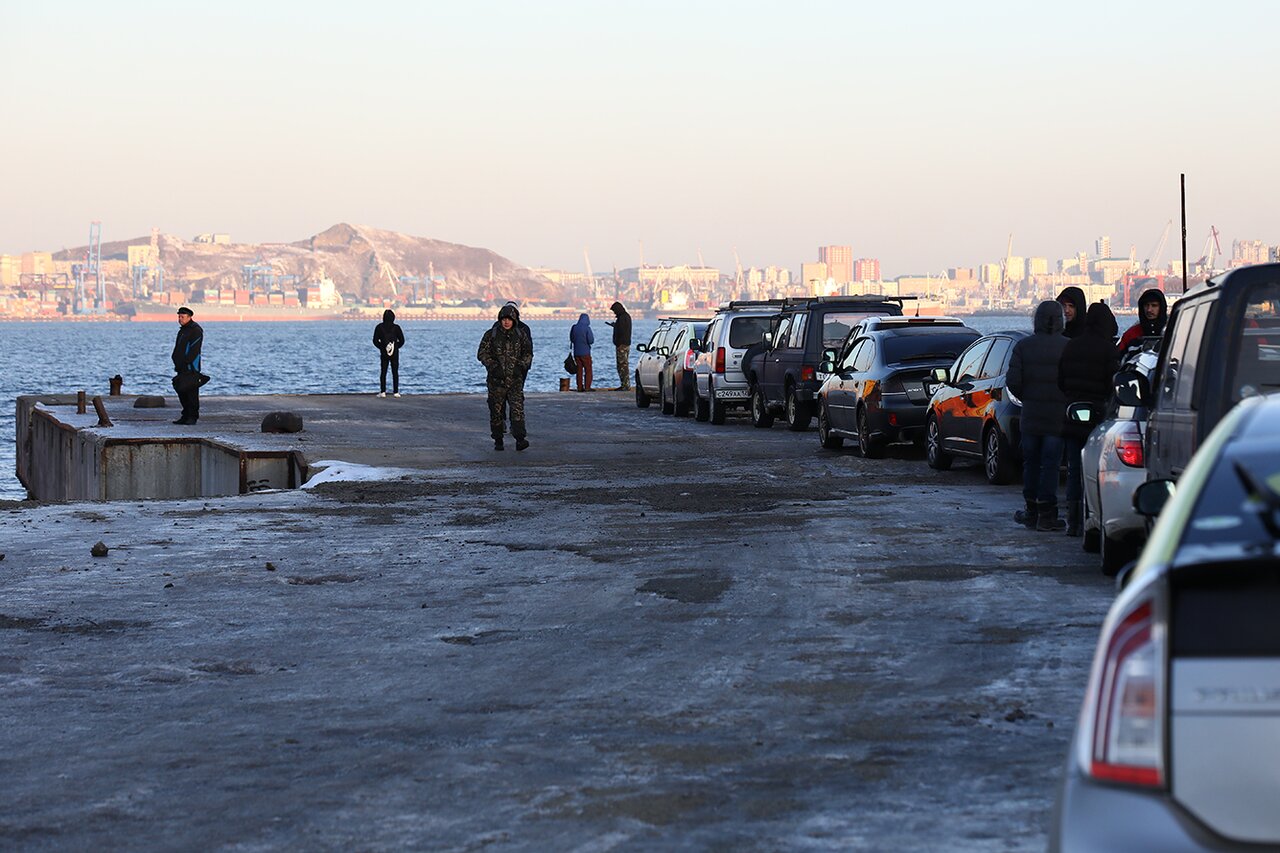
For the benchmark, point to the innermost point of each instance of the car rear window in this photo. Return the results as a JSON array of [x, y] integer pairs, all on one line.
[[836, 326], [1258, 362], [912, 345], [1225, 513], [747, 331]]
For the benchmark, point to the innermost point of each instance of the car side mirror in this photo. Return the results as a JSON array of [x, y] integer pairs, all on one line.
[[1151, 496], [941, 375], [695, 345], [1132, 388], [642, 347], [1085, 413], [827, 366], [664, 351], [828, 355], [768, 339]]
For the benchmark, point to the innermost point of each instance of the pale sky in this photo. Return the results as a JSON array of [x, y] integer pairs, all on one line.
[[919, 133]]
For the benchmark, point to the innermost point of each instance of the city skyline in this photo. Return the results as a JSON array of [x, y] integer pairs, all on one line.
[[693, 130]]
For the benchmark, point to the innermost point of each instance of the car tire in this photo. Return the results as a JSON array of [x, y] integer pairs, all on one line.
[[798, 414], [642, 399], [701, 409], [997, 459], [867, 445], [1091, 538], [829, 441], [668, 408], [717, 407], [1115, 554], [761, 417], [938, 459]]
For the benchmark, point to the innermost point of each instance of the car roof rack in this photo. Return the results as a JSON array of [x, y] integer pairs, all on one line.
[[827, 300], [751, 303]]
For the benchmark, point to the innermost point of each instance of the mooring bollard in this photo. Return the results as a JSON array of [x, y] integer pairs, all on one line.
[[117, 382], [103, 420], [80, 403], [564, 383]]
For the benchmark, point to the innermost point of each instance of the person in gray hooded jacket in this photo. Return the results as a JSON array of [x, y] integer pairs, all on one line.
[[1033, 379]]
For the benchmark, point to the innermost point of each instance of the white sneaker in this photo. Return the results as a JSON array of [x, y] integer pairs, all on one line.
[[397, 394], [382, 393]]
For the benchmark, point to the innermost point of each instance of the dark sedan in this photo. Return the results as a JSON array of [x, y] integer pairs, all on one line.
[[972, 414], [876, 391]]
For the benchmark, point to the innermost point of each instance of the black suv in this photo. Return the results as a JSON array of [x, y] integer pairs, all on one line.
[[1222, 344], [783, 370]]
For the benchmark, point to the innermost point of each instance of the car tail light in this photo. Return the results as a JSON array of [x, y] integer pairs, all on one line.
[[1125, 704], [689, 358], [1129, 446], [893, 385], [807, 373], [720, 360]]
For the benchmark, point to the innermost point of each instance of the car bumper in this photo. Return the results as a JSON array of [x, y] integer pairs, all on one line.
[[898, 421], [1115, 493]]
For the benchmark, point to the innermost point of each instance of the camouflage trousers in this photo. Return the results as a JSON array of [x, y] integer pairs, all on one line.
[[501, 399], [624, 365]]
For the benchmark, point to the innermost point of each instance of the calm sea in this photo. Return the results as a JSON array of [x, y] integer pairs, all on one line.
[[279, 358]]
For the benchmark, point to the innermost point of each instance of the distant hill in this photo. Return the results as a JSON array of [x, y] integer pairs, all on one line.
[[358, 258]]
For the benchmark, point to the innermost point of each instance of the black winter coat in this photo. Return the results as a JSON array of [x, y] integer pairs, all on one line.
[[1033, 373], [388, 332], [1075, 296], [621, 326], [186, 349], [1088, 367]]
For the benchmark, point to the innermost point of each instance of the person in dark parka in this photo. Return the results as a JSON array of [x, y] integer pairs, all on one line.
[[581, 337], [1153, 313], [507, 356], [1073, 310], [186, 360], [1086, 375], [622, 343], [1033, 378], [388, 338]]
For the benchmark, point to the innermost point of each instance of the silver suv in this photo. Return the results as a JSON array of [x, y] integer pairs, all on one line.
[[720, 383]]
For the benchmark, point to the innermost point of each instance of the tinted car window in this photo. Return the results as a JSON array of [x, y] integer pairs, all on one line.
[[1184, 395], [967, 366], [1225, 513], [1258, 362], [997, 359], [746, 331], [851, 358], [836, 326], [865, 355], [906, 347], [798, 324], [1173, 365], [656, 340], [780, 334]]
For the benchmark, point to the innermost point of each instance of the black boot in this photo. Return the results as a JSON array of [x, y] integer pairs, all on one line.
[[1074, 515], [1027, 517], [497, 443], [1049, 521]]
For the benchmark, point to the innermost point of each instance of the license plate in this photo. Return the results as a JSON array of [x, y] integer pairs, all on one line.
[[731, 395]]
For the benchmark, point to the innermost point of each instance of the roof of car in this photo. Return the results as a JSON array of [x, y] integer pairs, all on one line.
[[1238, 277]]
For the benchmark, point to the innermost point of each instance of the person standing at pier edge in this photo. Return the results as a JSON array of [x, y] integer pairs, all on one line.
[[1033, 378], [388, 338], [581, 336], [622, 343], [1085, 375], [186, 366], [1073, 304], [507, 356]]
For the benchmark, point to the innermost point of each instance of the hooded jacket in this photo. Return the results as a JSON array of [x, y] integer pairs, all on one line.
[[1033, 372], [387, 332], [522, 326], [506, 353], [1145, 328], [1088, 367], [581, 336], [621, 326], [1075, 296]]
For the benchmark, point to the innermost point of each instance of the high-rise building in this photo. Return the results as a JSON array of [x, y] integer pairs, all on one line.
[[839, 261], [813, 276], [1037, 266], [1249, 252], [866, 269], [1102, 248]]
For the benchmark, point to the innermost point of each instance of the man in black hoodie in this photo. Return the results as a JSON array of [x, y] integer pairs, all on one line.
[[186, 364], [388, 338], [622, 343], [1086, 375], [507, 356], [1153, 313], [1033, 379], [1073, 309]]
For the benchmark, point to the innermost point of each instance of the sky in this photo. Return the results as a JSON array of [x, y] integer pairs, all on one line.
[[923, 134]]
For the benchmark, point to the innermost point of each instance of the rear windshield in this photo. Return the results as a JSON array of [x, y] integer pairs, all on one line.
[[1258, 365], [835, 327], [922, 344], [747, 331], [1225, 513]]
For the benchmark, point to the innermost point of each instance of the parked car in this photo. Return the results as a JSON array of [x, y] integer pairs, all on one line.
[[972, 413], [1112, 467], [720, 383], [784, 374], [1221, 345], [676, 380], [653, 355], [1176, 747], [876, 389]]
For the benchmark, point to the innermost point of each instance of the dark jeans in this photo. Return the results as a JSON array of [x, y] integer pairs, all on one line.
[[190, 401], [1041, 456], [1072, 447], [394, 361]]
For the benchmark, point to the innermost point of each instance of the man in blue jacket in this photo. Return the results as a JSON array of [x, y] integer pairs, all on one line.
[[186, 366], [581, 337]]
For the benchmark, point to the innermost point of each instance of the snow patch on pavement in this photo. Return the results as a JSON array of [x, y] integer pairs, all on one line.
[[334, 470]]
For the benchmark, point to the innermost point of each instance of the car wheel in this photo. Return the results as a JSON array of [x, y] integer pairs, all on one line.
[[1114, 555], [761, 417], [997, 461], [798, 414], [668, 407], [829, 441], [718, 408], [939, 459], [701, 409], [1091, 541], [867, 445], [642, 399]]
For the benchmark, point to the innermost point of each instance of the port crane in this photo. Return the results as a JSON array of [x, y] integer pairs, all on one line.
[[1002, 295], [1153, 259], [1211, 251]]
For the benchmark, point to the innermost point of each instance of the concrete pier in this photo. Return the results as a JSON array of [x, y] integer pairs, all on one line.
[[643, 632]]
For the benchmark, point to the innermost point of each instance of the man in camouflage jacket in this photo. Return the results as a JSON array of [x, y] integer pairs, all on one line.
[[506, 354]]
